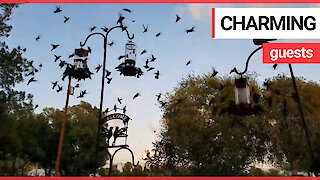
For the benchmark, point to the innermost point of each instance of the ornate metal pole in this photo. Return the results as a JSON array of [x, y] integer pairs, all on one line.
[[62, 131], [105, 43]]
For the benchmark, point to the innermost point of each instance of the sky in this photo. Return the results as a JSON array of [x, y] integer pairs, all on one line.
[[173, 48]]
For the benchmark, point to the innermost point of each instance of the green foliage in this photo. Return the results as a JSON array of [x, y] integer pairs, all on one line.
[[202, 133]]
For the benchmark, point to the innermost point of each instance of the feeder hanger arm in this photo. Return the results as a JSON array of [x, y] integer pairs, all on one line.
[[247, 63]]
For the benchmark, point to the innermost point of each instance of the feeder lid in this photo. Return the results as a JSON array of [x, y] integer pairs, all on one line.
[[241, 82], [81, 52]]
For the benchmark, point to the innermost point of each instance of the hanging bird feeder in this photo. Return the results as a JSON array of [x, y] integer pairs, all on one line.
[[242, 91], [80, 69], [128, 68], [242, 98]]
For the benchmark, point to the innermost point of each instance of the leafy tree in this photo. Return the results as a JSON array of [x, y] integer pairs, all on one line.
[[201, 133]]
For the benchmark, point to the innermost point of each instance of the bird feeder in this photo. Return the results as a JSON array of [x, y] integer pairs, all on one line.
[[127, 68], [242, 91], [80, 69]]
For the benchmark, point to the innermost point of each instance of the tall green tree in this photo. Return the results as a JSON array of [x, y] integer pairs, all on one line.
[[201, 132]]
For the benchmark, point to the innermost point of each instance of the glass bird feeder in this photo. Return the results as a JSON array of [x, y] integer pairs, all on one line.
[[128, 68], [242, 91]]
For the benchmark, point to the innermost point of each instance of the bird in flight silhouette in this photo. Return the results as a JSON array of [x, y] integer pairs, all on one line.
[[120, 57], [105, 29], [31, 80], [152, 58], [143, 52], [111, 44], [54, 46], [121, 18], [56, 58], [157, 74], [66, 19], [54, 84], [190, 30], [188, 63], [119, 100], [37, 38], [108, 73], [158, 97], [275, 66], [58, 9], [98, 68], [128, 10], [145, 29], [59, 88], [109, 80], [136, 95], [177, 18], [92, 28], [71, 55], [157, 35], [214, 73]]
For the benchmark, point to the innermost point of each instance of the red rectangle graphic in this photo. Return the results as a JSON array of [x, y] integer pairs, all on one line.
[[291, 53]]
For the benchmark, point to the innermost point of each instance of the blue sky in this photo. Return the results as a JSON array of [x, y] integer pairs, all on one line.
[[173, 48]]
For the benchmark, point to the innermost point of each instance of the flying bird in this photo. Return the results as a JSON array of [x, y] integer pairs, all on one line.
[[214, 73], [150, 69], [177, 18], [98, 68], [233, 70], [147, 64], [62, 63], [157, 75], [267, 85], [144, 51], [105, 29], [190, 30], [124, 109], [109, 80], [121, 18], [108, 73], [158, 97], [152, 58], [92, 28], [119, 100], [82, 93], [145, 29], [120, 57], [58, 9], [66, 19], [275, 66], [136, 95], [31, 80], [56, 58], [37, 38], [111, 44], [128, 10], [54, 46], [77, 85], [54, 84], [71, 55], [157, 35], [59, 88], [188, 63]]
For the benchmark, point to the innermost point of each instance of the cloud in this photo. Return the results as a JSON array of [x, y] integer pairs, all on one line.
[[200, 11]]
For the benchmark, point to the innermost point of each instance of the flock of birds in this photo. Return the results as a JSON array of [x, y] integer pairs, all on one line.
[[147, 64]]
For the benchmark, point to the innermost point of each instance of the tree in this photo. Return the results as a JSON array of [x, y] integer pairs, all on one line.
[[14, 105], [201, 133], [288, 134], [79, 145]]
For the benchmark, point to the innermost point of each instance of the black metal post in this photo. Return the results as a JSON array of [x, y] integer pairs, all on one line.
[[105, 45], [306, 130]]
